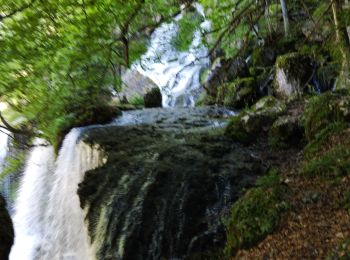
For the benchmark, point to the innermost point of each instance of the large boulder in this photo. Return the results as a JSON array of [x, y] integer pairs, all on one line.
[[293, 71], [250, 124], [136, 84], [6, 231], [153, 98]]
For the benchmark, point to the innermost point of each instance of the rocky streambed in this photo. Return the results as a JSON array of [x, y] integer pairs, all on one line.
[[169, 178]]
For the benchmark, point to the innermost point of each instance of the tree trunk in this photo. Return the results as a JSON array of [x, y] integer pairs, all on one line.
[[285, 17]]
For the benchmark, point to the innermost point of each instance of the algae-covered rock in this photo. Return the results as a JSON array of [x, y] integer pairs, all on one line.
[[249, 124], [6, 231], [293, 71], [237, 94], [153, 98]]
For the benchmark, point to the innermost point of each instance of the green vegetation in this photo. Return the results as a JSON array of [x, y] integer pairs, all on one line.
[[322, 138], [332, 163], [238, 94], [256, 214], [325, 109], [187, 25]]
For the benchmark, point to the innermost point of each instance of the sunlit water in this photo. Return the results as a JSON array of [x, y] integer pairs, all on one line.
[[176, 73]]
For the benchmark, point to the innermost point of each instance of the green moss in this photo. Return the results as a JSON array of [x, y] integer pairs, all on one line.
[[237, 94], [313, 148], [332, 163], [325, 109], [256, 214]]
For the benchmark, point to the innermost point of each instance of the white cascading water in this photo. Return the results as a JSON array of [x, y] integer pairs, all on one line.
[[49, 223], [176, 73]]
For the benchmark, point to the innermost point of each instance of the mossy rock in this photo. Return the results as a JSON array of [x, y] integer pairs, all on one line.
[[237, 94], [325, 109], [293, 71], [286, 131], [252, 123], [256, 214], [6, 231], [153, 98]]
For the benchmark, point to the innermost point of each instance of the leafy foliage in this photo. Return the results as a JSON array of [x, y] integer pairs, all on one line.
[[187, 25]]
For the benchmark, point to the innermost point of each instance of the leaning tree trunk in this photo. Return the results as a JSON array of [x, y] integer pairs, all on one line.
[[285, 17]]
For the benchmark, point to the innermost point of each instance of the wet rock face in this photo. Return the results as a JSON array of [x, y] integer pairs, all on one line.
[[6, 231], [166, 184]]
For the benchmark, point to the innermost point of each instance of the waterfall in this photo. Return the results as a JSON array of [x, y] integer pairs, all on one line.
[[49, 223], [176, 73], [31, 202]]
